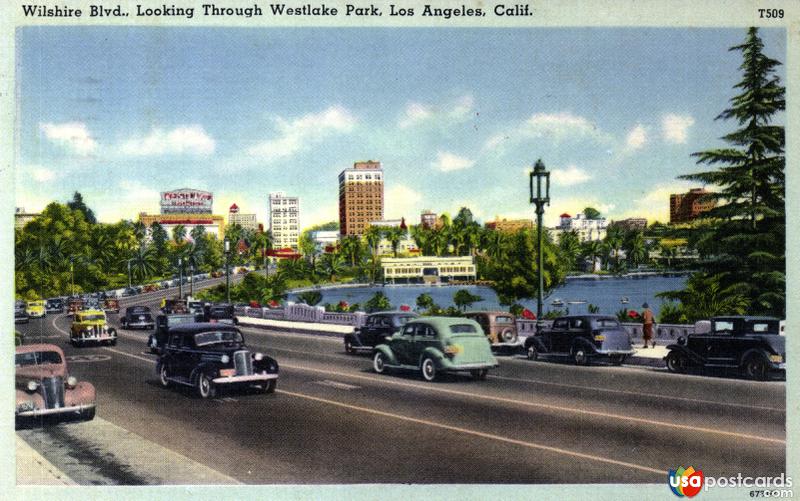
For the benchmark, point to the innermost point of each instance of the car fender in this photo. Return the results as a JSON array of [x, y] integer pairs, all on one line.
[[584, 343], [207, 368], [387, 352], [83, 393], [690, 355], [431, 352], [533, 340]]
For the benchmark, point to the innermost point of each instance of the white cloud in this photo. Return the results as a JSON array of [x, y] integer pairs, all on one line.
[[447, 162], [569, 176], [189, 139], [126, 201], [75, 136], [296, 134], [559, 126], [402, 202], [417, 113], [637, 138], [414, 113], [675, 128]]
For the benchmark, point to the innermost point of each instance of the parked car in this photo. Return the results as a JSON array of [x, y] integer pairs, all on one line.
[[433, 345], [195, 307], [748, 344], [501, 329], [207, 356], [377, 327], [111, 305], [20, 314], [45, 388], [137, 317], [35, 309], [584, 338], [75, 304], [129, 291], [164, 323], [222, 313], [90, 326], [173, 305], [54, 305]]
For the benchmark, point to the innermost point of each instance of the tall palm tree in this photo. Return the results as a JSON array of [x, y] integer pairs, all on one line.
[[395, 235], [592, 249], [198, 232], [350, 246], [261, 244], [636, 249], [333, 264], [179, 233], [139, 231], [614, 239], [143, 263]]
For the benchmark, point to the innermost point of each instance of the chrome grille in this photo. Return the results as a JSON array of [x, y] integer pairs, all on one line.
[[53, 392], [243, 363]]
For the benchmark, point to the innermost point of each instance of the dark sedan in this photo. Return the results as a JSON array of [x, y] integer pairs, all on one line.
[[54, 305], [377, 327], [137, 317], [583, 338]]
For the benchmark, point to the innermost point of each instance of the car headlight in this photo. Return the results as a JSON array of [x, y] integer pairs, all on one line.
[[258, 356], [33, 385], [776, 358], [225, 359], [72, 381]]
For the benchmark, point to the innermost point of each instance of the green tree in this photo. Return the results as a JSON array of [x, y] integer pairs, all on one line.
[[592, 250], [378, 302], [744, 249], [591, 213], [179, 233], [78, 204], [635, 248], [705, 297], [311, 298], [569, 245], [350, 246], [395, 235], [464, 299], [425, 301]]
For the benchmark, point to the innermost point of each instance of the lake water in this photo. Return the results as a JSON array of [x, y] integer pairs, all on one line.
[[607, 293]]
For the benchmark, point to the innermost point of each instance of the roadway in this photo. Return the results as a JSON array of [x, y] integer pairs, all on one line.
[[332, 420]]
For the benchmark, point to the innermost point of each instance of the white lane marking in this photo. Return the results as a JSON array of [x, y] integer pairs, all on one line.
[[648, 422], [535, 381], [467, 431], [87, 358], [130, 355], [337, 384]]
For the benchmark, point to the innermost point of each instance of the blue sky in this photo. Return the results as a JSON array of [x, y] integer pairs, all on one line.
[[457, 116]]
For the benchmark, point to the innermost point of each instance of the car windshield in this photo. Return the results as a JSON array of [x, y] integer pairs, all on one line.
[[181, 319], [91, 318], [606, 322], [206, 338], [463, 328], [503, 320], [37, 358]]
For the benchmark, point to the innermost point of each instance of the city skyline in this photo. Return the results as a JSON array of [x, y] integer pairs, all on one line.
[[121, 115]]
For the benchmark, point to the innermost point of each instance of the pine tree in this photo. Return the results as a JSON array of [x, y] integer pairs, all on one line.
[[747, 251]]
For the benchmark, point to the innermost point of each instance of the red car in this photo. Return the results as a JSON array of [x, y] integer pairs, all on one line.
[[45, 388]]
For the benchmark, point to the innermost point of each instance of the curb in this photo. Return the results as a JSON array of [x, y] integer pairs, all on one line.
[[33, 469]]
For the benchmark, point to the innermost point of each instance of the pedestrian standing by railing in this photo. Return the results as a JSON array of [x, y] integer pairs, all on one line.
[[647, 325]]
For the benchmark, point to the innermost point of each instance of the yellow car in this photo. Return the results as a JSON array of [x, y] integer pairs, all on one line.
[[35, 309], [90, 326]]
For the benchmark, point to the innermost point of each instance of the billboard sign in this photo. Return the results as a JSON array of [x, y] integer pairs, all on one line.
[[186, 201]]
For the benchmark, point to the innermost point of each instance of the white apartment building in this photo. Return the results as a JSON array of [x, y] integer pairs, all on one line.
[[284, 220], [246, 221], [587, 229]]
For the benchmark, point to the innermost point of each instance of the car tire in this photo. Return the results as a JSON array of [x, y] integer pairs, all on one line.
[[205, 386], [269, 386], [428, 369], [618, 359], [508, 336], [379, 362], [677, 362], [163, 375], [756, 368], [479, 374], [88, 414], [531, 352], [348, 348], [579, 355]]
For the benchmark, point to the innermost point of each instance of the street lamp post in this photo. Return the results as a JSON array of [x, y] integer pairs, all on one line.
[[72, 276], [129, 272], [180, 278], [540, 173], [227, 271]]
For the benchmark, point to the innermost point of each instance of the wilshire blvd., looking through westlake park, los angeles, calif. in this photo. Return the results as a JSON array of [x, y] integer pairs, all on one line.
[[331, 234]]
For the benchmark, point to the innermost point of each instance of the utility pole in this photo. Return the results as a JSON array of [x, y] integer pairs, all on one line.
[[541, 174]]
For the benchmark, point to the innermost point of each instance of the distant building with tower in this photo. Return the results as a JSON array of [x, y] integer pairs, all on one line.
[[246, 221], [586, 229]]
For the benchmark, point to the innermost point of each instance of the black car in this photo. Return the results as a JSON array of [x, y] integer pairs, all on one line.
[[137, 317], [164, 323], [20, 314], [129, 291], [750, 345], [377, 327], [206, 356], [54, 305], [222, 313], [583, 338]]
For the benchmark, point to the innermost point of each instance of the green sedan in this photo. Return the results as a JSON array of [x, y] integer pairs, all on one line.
[[433, 345]]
